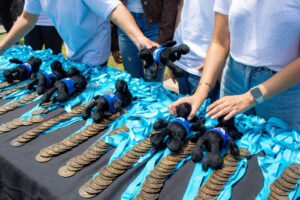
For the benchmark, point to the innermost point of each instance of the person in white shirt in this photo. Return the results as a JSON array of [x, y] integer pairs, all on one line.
[[195, 28], [262, 74], [44, 33], [83, 25]]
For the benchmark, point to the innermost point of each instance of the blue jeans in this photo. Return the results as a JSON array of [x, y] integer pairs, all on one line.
[[129, 51], [239, 78], [189, 83]]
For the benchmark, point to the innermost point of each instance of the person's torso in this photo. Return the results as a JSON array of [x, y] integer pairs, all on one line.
[[134, 6], [86, 35], [44, 20], [195, 28], [265, 33]]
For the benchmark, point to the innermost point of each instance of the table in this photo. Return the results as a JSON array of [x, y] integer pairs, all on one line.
[[23, 178]]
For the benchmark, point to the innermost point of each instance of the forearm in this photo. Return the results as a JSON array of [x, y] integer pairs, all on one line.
[[213, 66], [281, 81], [216, 56], [122, 18], [21, 27]]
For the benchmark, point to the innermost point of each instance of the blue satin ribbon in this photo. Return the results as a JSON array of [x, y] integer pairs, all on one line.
[[281, 147]]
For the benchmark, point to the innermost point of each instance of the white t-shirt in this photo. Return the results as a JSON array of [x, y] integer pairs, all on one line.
[[263, 32], [195, 28], [134, 6], [44, 20], [82, 24]]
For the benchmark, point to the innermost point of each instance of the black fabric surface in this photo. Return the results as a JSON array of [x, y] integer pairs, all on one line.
[[23, 178]]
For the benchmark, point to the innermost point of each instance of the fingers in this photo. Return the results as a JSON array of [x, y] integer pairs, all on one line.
[[145, 43], [230, 115], [193, 112], [117, 57], [215, 104], [173, 106], [200, 68]]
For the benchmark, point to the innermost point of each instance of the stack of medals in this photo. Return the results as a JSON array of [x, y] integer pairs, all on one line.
[[16, 123], [9, 107], [93, 153], [34, 132], [7, 84], [10, 91], [155, 180], [74, 140], [109, 173], [287, 182], [216, 182]]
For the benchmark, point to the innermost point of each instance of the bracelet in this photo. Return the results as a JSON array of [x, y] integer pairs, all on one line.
[[206, 83]]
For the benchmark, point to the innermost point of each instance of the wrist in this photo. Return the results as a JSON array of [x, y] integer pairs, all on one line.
[[257, 94], [250, 98], [139, 41]]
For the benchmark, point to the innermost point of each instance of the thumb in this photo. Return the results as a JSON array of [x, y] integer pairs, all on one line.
[[173, 106], [193, 112]]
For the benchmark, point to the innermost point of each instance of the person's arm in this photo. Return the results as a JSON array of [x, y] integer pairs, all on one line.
[[214, 63], [22, 26], [232, 105], [122, 18]]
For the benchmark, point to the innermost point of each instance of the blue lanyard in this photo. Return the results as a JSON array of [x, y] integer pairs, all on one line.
[[156, 55]]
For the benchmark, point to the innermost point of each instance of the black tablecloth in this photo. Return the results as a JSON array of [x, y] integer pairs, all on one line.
[[22, 178]]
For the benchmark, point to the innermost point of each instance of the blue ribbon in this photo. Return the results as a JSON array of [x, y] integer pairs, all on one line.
[[111, 98], [221, 132], [186, 124], [281, 147], [48, 75], [156, 55], [70, 83], [28, 68]]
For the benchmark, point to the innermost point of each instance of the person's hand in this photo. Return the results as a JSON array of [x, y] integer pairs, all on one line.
[[117, 57], [172, 76], [230, 106], [200, 68], [146, 43], [194, 100]]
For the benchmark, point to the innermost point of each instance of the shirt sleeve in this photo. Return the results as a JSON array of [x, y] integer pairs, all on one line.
[[222, 6], [33, 7], [103, 8]]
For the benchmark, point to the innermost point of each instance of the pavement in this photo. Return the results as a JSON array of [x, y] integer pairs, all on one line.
[[2, 30], [170, 85]]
